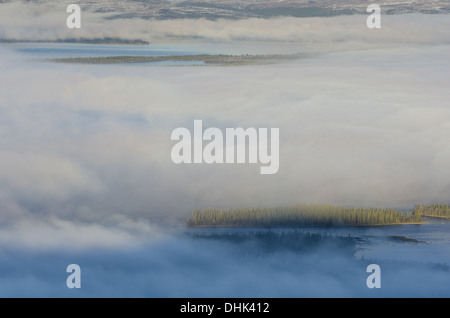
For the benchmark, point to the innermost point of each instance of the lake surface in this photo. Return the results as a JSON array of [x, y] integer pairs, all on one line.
[[420, 243], [413, 259], [55, 50], [77, 50]]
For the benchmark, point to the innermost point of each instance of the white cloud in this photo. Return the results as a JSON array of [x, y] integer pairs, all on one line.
[[41, 177], [357, 127]]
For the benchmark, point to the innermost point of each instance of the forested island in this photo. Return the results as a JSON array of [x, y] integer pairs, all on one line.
[[313, 215], [434, 210], [208, 59], [104, 41]]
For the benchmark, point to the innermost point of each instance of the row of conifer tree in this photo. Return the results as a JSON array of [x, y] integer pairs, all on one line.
[[317, 214]]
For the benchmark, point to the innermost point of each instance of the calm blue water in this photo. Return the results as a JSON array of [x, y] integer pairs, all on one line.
[[381, 242], [52, 50]]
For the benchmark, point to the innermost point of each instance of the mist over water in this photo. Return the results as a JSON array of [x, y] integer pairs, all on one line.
[[86, 175], [288, 263]]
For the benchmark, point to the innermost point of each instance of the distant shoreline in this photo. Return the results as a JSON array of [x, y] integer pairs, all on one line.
[[207, 59], [300, 226], [104, 41]]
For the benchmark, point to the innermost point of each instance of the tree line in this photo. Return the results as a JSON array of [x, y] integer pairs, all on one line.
[[438, 210], [302, 215]]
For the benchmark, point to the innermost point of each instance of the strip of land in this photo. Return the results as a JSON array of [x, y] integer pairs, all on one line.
[[207, 59], [314, 215], [439, 210], [302, 215]]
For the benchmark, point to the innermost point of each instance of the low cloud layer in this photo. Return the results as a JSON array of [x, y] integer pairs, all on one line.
[[47, 22], [364, 127], [85, 150]]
